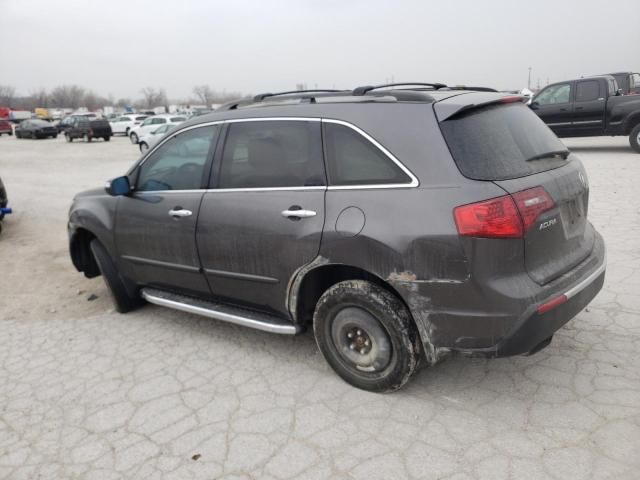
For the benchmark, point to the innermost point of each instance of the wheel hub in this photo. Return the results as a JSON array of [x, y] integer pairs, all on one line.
[[360, 340]]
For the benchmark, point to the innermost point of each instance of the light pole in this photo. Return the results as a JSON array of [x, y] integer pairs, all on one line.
[[529, 81]]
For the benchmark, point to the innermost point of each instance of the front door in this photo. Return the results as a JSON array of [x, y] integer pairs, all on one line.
[[589, 108], [156, 224], [553, 106], [263, 218]]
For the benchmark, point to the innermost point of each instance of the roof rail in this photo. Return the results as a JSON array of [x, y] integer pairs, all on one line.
[[474, 89], [359, 91], [260, 97], [233, 105]]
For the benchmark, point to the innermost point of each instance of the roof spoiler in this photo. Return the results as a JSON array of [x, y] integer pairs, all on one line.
[[453, 106]]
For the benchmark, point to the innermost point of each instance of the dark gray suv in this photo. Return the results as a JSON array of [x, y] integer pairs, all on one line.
[[401, 222]]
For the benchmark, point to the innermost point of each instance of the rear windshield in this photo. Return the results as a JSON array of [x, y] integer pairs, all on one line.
[[496, 142]]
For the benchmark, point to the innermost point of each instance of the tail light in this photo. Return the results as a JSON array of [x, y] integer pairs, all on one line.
[[509, 216]]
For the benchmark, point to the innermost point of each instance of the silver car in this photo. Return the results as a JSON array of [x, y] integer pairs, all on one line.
[[148, 140]]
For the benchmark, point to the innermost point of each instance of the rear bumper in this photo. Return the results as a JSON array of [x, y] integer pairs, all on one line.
[[499, 315], [538, 327]]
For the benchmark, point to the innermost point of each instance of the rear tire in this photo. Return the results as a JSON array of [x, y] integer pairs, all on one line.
[[107, 138], [367, 336], [134, 138], [124, 299], [634, 138]]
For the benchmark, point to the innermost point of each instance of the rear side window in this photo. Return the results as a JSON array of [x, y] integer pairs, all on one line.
[[353, 160], [271, 154], [498, 141], [587, 91]]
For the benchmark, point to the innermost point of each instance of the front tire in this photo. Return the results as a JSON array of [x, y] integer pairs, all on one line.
[[367, 336], [634, 138], [133, 137], [124, 299], [144, 148]]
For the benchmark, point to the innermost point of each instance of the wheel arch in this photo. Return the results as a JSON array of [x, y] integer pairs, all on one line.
[[309, 285], [81, 254], [631, 122], [314, 279]]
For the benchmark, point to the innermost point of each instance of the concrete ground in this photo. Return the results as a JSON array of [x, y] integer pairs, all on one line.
[[157, 394]]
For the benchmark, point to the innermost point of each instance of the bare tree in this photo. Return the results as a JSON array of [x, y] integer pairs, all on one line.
[[67, 96], [7, 93], [123, 102], [92, 101], [40, 98], [153, 97], [204, 93]]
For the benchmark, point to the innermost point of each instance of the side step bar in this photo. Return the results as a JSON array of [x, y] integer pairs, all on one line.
[[219, 311]]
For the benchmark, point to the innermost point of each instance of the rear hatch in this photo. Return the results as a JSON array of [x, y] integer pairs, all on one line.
[[100, 128], [503, 142]]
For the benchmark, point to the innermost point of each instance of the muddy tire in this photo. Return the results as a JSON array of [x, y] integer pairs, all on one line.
[[367, 336], [124, 297], [634, 138]]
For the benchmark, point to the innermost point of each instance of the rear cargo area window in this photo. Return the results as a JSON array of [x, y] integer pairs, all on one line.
[[497, 141], [354, 160]]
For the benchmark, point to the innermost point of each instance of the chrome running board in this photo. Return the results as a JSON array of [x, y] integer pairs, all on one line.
[[219, 311]]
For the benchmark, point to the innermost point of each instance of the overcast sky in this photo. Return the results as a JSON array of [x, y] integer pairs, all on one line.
[[120, 46]]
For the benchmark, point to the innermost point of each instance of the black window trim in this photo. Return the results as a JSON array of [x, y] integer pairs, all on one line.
[[412, 184]]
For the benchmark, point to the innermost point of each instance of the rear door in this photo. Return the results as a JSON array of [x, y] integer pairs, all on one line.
[[589, 107], [156, 225], [553, 105], [263, 218], [536, 169]]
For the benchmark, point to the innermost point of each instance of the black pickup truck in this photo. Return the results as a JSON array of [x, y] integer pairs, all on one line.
[[589, 107], [82, 127]]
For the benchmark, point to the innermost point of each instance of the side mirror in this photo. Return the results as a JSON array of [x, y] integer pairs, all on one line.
[[119, 186], [534, 105], [618, 92]]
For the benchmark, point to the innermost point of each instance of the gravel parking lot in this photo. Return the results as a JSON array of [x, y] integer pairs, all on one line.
[[158, 394]]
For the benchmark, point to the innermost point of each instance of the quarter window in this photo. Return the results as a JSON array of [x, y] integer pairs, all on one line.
[[179, 163], [354, 160], [587, 91], [271, 154], [554, 94]]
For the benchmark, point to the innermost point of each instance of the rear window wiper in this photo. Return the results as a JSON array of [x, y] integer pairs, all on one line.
[[554, 153]]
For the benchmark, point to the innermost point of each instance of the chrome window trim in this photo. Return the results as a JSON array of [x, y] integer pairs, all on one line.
[[412, 184]]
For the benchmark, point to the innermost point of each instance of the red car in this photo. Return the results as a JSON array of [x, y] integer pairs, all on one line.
[[5, 127]]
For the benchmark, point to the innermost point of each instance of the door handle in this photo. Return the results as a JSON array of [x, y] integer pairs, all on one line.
[[180, 212], [579, 108], [563, 109], [295, 212]]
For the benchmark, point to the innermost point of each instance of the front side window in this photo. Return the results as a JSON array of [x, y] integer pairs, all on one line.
[[147, 122], [271, 154], [587, 91], [353, 160], [555, 94], [179, 163]]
